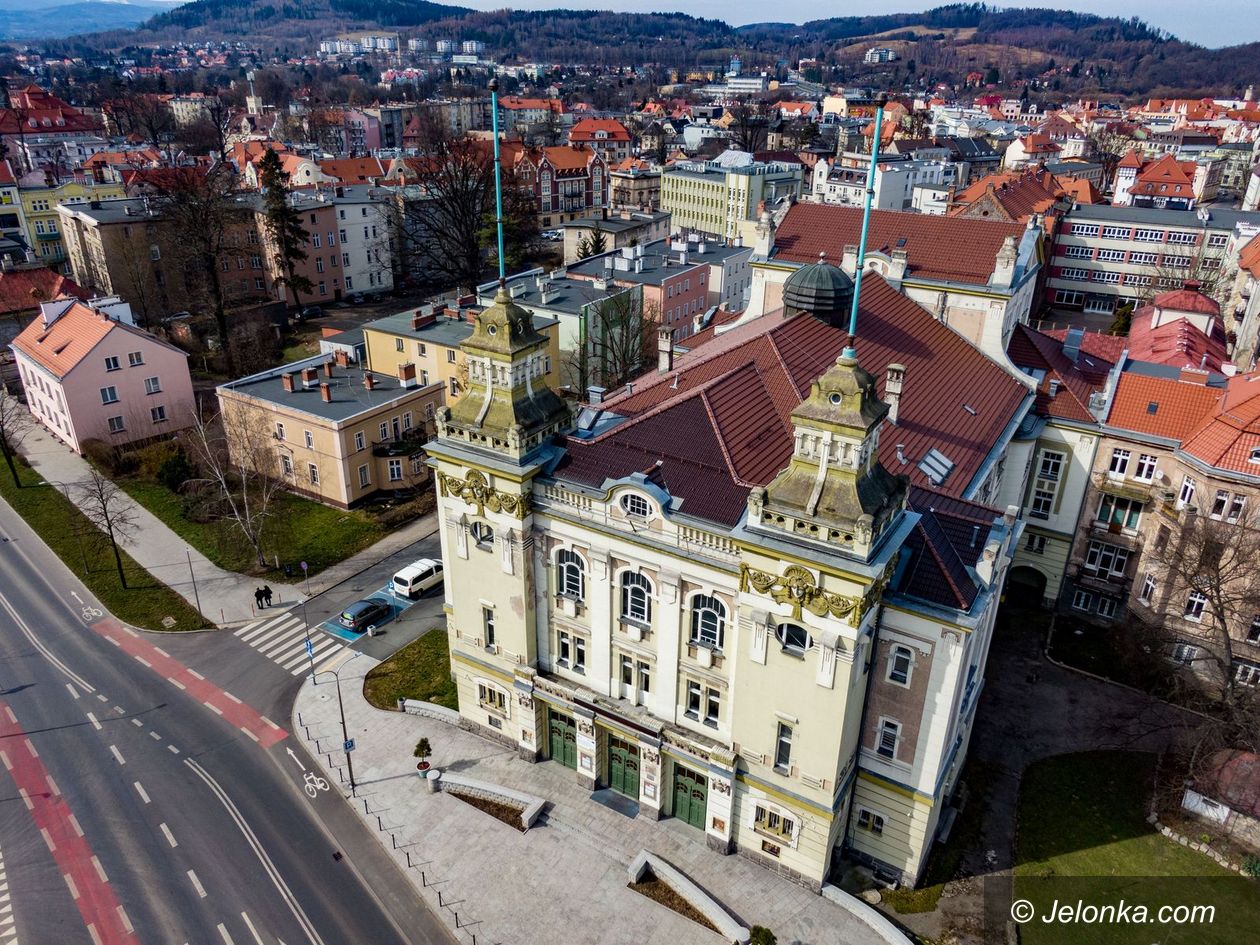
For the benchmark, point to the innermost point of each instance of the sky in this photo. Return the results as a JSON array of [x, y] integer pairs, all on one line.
[[1212, 23]]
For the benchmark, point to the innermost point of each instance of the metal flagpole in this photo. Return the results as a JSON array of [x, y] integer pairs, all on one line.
[[498, 175], [850, 349]]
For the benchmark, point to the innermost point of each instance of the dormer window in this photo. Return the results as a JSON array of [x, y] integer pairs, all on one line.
[[636, 506], [1255, 455]]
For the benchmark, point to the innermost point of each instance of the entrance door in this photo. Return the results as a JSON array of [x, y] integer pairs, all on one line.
[[623, 767], [563, 739], [691, 796]]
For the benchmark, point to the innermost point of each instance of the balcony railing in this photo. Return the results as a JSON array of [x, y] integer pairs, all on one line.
[[406, 443], [1123, 488]]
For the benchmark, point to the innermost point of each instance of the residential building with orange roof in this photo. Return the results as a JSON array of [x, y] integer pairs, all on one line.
[[517, 113], [635, 183], [567, 181], [606, 136], [1244, 306], [1030, 149], [90, 374], [1017, 197]]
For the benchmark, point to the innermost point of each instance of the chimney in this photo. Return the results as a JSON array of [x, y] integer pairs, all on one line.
[[595, 395], [369, 380], [420, 319], [407, 374], [309, 376], [328, 369], [341, 357], [702, 248], [682, 258], [893, 383], [286, 379], [1192, 375], [325, 393], [664, 350], [1054, 386]]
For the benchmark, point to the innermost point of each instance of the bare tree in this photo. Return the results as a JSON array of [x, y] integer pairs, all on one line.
[[618, 336], [1109, 147], [750, 124], [110, 510], [148, 118], [1207, 269], [236, 453], [15, 423]]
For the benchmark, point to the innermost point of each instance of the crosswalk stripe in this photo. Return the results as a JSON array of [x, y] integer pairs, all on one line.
[[300, 657], [251, 628], [282, 643], [278, 630]]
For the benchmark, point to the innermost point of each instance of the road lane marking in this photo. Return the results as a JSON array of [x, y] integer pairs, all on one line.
[[7, 763], [163, 652], [122, 914], [252, 736], [213, 708], [141, 791], [196, 675], [74, 822], [100, 870], [96, 936], [227, 939], [137, 723], [102, 697], [36, 642], [117, 754], [12, 717], [74, 693], [172, 749], [115, 642], [120, 710], [201, 890], [74, 890], [233, 698], [143, 662], [52, 785], [52, 847], [26, 798], [252, 931], [166, 832], [176, 683], [95, 724], [30, 746], [155, 736]]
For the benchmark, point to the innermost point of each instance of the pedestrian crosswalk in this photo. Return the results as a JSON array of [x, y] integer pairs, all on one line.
[[8, 932], [282, 639]]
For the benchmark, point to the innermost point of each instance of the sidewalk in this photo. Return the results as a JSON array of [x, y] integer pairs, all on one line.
[[563, 881], [226, 598]]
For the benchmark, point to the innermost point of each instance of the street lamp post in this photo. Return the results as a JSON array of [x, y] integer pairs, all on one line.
[[341, 708]]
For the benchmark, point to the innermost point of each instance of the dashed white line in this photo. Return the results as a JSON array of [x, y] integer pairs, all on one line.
[[30, 746], [144, 796], [213, 708], [12, 717], [250, 734], [227, 939], [43, 831], [95, 724], [269, 722], [175, 682], [115, 642], [172, 749], [120, 710], [26, 799], [201, 890], [100, 870], [52, 785], [8, 765], [155, 736], [74, 693], [137, 723], [233, 698], [196, 675], [96, 936], [74, 822], [163, 652], [142, 661], [252, 931], [74, 890], [122, 914], [166, 832], [117, 754], [102, 697]]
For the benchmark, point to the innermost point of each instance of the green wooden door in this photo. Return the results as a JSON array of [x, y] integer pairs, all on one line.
[[563, 739], [623, 767], [691, 796]]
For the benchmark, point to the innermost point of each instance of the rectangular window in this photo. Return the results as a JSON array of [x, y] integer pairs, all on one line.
[[1185, 239], [1068, 297], [1236, 508], [1186, 496], [1082, 600], [279, 431], [712, 706], [116, 425], [286, 464], [1247, 674], [313, 472], [1220, 503], [1107, 607], [1195, 605], [359, 440], [1148, 588], [1051, 465], [1036, 544], [152, 385], [1142, 259], [315, 240], [450, 356], [1084, 229], [1119, 462], [1042, 504], [323, 289], [1218, 239], [342, 234], [693, 699], [1253, 632], [399, 344], [1115, 232], [487, 624], [783, 747], [1125, 513], [111, 364], [308, 438], [1148, 236], [1110, 255], [1184, 653], [319, 263], [109, 395], [422, 349], [1078, 252], [870, 821], [579, 654], [1076, 275], [1107, 560], [158, 413], [454, 387], [365, 477], [564, 651], [645, 676], [383, 430], [331, 241], [395, 470], [889, 732], [1145, 471]]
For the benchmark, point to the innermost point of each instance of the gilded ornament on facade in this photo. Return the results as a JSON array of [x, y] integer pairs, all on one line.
[[797, 588], [475, 489]]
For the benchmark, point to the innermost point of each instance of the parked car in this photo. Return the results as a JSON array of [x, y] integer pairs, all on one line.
[[309, 311], [365, 613], [553, 235], [418, 577], [356, 298]]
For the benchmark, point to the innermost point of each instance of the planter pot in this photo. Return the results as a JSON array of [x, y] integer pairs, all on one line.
[[422, 766]]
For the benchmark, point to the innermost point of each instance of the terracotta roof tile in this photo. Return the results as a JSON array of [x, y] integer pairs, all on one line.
[[1096, 343], [586, 129], [21, 290], [60, 347], [1226, 437], [951, 249], [1160, 406], [353, 170], [1077, 379], [1249, 258]]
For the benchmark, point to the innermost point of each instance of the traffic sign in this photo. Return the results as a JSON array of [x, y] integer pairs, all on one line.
[[348, 744], [304, 565], [310, 648]]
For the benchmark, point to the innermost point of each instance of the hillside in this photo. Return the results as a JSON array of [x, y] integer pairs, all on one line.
[[1068, 53], [42, 19]]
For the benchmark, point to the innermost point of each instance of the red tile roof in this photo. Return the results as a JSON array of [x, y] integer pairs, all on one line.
[[1187, 299], [1077, 379], [720, 420], [1160, 406], [942, 546], [1131, 159], [1166, 176], [951, 249], [353, 170], [1226, 437], [21, 290], [1096, 343], [586, 131], [1179, 342], [1249, 258], [6, 174], [61, 346], [41, 112]]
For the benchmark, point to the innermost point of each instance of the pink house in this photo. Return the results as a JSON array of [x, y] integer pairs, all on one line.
[[89, 373]]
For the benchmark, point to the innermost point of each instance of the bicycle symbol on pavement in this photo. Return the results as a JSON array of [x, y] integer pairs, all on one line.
[[92, 613], [314, 784]]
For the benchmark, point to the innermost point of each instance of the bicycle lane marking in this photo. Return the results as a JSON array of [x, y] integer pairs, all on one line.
[[97, 904], [259, 728]]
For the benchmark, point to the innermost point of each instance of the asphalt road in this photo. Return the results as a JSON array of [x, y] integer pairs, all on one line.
[[133, 811]]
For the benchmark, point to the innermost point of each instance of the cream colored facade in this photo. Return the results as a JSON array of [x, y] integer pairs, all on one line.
[[709, 198], [771, 685], [341, 451]]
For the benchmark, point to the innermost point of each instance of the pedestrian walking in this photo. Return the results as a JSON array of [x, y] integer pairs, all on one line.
[[267, 594], [258, 598]]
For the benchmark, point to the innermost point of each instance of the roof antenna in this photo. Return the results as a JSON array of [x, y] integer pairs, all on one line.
[[498, 175], [850, 348]]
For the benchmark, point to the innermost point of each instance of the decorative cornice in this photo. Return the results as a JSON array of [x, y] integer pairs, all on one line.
[[475, 489]]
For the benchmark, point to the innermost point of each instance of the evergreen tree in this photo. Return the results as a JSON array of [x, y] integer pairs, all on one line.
[[285, 232], [594, 244]]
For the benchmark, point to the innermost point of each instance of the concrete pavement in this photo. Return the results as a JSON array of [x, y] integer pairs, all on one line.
[[566, 874], [225, 598]]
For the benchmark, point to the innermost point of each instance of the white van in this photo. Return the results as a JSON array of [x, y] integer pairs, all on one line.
[[416, 578]]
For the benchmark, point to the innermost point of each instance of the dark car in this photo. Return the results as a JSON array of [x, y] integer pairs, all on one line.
[[309, 311], [365, 613], [356, 298]]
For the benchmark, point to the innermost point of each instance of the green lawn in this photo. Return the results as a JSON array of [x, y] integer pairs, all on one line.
[[1083, 835], [299, 530], [145, 602], [420, 670]]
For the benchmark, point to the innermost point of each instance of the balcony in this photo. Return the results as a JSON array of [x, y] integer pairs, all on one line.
[[1106, 582], [410, 441], [1123, 488], [47, 237]]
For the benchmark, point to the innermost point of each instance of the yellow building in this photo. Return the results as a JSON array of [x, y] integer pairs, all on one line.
[[329, 431], [430, 338], [716, 197], [42, 222]]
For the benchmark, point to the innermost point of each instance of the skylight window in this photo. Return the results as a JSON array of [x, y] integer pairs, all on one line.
[[1152, 408], [1255, 455], [936, 466], [587, 417]]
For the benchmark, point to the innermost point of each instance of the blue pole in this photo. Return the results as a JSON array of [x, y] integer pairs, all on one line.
[[850, 349], [498, 175]]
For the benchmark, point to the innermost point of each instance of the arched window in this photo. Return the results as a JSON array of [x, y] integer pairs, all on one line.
[[636, 597], [900, 665], [635, 505], [708, 620], [482, 533], [793, 638], [570, 574]]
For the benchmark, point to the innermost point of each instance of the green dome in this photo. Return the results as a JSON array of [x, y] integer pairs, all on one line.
[[820, 289]]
